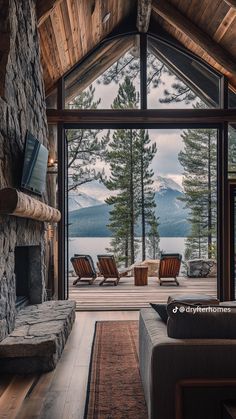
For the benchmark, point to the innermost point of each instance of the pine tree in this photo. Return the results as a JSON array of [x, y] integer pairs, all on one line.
[[146, 203], [85, 146], [200, 176], [153, 238], [123, 214], [129, 155]]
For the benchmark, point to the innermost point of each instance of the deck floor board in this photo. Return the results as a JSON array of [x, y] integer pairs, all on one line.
[[127, 296]]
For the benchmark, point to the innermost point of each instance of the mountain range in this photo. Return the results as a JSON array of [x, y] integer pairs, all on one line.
[[89, 214]]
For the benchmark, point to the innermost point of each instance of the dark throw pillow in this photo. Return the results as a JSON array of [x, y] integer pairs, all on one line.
[[161, 309], [201, 322]]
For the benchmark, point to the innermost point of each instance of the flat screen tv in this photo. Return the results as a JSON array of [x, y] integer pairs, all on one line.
[[34, 166]]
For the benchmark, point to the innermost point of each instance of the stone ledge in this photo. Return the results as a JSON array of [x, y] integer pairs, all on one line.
[[40, 334]]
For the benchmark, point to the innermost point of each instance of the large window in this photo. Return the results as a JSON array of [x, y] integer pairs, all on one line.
[[143, 73], [143, 192], [174, 78], [95, 83], [177, 80]]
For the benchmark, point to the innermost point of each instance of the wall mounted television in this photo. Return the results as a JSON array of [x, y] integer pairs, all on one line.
[[34, 166]]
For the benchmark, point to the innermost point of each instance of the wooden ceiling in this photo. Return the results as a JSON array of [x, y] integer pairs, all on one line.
[[74, 27], [215, 20], [69, 29]]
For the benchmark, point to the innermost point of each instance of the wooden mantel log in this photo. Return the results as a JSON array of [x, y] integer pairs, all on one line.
[[14, 202]]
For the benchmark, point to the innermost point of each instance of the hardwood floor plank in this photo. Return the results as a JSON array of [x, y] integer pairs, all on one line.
[[12, 398]]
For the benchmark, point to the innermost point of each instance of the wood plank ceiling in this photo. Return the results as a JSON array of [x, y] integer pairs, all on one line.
[[216, 19], [71, 28]]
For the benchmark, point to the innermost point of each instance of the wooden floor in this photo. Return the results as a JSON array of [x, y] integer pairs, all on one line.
[[127, 296], [60, 394]]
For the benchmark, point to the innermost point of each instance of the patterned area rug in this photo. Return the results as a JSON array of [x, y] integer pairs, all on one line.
[[114, 387]]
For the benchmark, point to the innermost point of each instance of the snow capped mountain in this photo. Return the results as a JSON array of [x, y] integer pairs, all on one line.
[[79, 200], [162, 183], [94, 193]]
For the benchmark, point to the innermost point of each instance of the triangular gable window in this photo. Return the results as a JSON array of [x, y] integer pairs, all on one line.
[[175, 78]]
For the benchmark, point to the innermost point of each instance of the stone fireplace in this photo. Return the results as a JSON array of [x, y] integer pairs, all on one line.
[[32, 338], [22, 108]]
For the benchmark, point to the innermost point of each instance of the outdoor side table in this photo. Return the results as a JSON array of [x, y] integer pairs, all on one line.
[[140, 275]]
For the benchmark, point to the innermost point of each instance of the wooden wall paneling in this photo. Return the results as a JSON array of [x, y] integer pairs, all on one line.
[[45, 8], [210, 9], [219, 13], [104, 8], [225, 24], [87, 7], [52, 50], [96, 19], [50, 61], [115, 9], [73, 12], [73, 28], [178, 20], [228, 40], [83, 27], [119, 6], [231, 3], [60, 39], [190, 7], [178, 3], [196, 14], [46, 75], [68, 33]]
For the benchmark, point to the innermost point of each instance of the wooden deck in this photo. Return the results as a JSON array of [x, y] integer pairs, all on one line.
[[127, 296]]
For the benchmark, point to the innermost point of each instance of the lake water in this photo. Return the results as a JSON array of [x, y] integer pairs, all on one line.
[[97, 245]]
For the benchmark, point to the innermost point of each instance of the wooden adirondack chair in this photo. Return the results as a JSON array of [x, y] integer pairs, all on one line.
[[169, 267], [84, 269], [108, 269]]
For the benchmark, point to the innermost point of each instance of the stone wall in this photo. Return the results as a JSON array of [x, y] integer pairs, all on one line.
[[22, 107]]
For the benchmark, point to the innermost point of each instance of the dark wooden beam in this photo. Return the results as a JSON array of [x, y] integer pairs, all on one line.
[[231, 3], [45, 8], [143, 15], [139, 117], [175, 18]]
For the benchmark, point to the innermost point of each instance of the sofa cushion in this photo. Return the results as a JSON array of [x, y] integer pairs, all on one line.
[[161, 309], [193, 299], [196, 322]]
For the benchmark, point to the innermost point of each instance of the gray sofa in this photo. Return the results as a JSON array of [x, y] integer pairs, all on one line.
[[164, 362]]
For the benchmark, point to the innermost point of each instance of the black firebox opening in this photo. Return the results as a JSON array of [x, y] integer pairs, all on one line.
[[22, 275]]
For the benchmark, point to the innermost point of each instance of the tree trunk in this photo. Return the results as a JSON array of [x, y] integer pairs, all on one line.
[[209, 241], [126, 252], [199, 240], [143, 209], [132, 256]]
